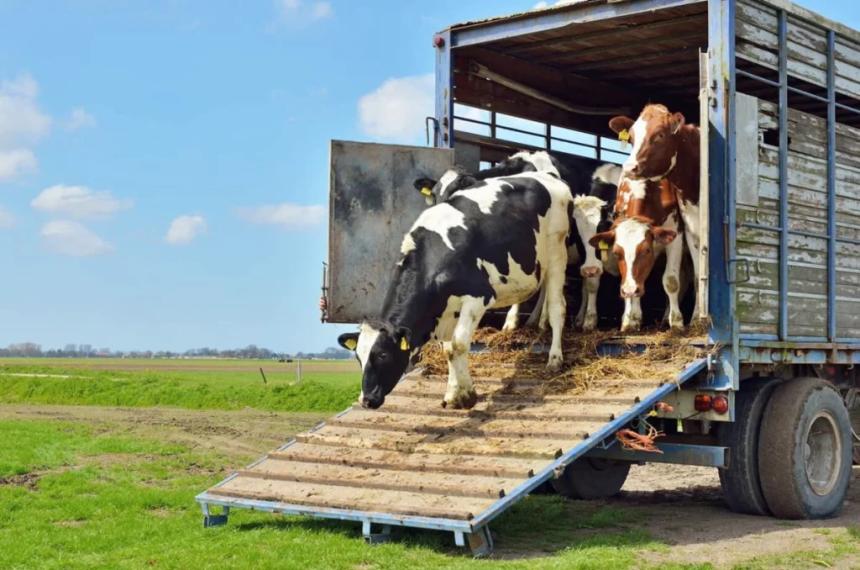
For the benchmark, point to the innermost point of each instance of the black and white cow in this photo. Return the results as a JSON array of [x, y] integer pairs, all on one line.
[[491, 245]]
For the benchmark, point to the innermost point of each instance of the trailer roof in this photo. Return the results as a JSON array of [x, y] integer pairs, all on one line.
[[574, 6]]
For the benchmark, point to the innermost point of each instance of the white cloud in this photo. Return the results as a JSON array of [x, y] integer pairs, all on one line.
[[298, 12], [7, 220], [396, 110], [541, 5], [79, 118], [74, 239], [78, 202], [21, 121], [287, 216], [184, 229], [15, 162]]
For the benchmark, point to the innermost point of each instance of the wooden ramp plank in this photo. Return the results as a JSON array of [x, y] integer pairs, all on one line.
[[514, 409], [451, 444], [459, 485], [418, 462], [469, 426], [353, 498], [614, 389]]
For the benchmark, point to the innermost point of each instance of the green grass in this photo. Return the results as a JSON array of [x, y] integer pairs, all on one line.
[[104, 500], [207, 384]]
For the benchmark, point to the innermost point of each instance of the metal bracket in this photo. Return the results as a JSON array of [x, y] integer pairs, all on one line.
[[739, 261], [371, 537], [480, 541], [210, 520]]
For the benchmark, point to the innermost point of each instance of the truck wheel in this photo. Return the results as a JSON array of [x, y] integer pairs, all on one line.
[[589, 479], [805, 450], [740, 480]]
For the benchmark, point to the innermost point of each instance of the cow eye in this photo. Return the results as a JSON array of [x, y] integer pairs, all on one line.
[[658, 137]]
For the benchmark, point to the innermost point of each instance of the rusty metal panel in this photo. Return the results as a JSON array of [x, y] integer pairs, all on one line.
[[372, 204]]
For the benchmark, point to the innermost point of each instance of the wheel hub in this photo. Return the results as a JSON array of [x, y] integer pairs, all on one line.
[[822, 454]]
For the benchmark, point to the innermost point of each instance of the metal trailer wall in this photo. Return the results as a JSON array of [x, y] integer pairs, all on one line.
[[798, 176]]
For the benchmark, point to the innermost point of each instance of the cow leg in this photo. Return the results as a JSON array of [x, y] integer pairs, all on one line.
[[556, 304], [460, 392], [512, 320], [672, 282], [538, 318], [580, 316], [592, 285], [632, 319]]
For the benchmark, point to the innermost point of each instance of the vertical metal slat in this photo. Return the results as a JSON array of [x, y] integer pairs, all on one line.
[[831, 186], [783, 175]]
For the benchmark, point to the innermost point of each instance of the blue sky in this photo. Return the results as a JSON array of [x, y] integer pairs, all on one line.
[[163, 165]]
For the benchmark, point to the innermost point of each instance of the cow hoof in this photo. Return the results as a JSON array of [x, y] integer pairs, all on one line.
[[590, 323], [509, 327], [555, 362], [676, 322], [632, 325], [462, 401]]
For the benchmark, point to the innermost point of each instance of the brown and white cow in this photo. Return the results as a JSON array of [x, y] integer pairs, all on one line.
[[646, 226], [665, 146]]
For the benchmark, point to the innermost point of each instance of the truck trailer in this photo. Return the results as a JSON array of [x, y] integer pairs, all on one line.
[[776, 91]]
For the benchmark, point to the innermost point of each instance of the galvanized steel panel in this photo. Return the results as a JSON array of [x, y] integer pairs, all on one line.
[[372, 204]]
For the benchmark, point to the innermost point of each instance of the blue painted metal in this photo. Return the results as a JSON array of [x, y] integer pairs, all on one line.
[[831, 185], [589, 443], [783, 173], [722, 179], [479, 33], [678, 453], [777, 352], [444, 93]]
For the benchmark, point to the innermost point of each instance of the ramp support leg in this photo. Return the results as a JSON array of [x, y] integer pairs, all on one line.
[[480, 541], [375, 538], [210, 520]]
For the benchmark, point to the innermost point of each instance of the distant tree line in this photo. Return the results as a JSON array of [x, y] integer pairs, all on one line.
[[252, 351]]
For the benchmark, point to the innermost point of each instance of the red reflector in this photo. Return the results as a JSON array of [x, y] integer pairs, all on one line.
[[438, 41], [720, 404], [703, 403]]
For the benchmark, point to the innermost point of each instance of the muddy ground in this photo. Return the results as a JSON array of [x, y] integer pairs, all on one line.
[[681, 506]]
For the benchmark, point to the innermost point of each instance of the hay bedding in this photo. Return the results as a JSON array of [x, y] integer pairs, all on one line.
[[521, 354]]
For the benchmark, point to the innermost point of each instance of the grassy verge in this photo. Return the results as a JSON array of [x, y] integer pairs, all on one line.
[[74, 498], [324, 387]]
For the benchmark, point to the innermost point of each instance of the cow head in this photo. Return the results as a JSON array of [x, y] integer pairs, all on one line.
[[634, 241], [435, 191], [655, 138], [588, 212], [383, 351]]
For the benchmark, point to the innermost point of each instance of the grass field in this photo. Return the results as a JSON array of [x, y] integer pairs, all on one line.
[[326, 386], [95, 486]]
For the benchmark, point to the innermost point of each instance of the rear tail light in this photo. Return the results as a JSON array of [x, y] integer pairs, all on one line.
[[707, 403], [703, 403]]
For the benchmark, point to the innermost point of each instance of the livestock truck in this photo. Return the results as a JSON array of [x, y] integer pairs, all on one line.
[[776, 90]]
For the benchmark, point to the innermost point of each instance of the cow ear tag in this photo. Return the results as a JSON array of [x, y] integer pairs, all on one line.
[[404, 344], [350, 343], [603, 246], [426, 191], [624, 137]]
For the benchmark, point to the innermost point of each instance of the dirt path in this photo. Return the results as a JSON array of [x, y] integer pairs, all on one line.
[[243, 434], [681, 506]]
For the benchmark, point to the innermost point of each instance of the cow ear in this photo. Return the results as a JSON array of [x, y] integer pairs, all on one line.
[[403, 336], [603, 240], [665, 236], [349, 341], [620, 124], [677, 122]]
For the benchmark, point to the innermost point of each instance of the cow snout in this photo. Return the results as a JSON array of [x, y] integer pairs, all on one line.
[[631, 291], [590, 272], [371, 402], [632, 168]]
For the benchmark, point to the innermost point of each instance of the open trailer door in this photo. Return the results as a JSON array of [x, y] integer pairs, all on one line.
[[372, 203]]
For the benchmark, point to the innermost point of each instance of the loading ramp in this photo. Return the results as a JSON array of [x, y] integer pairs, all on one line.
[[413, 463]]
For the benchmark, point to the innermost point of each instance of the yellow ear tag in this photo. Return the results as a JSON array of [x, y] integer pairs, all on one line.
[[404, 344], [624, 136], [351, 344], [426, 191], [603, 246]]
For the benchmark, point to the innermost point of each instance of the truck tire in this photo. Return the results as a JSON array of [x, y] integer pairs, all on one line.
[[740, 480], [805, 450], [589, 479]]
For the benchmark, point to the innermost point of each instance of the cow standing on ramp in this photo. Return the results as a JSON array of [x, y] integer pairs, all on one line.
[[492, 245]]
